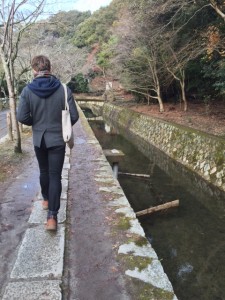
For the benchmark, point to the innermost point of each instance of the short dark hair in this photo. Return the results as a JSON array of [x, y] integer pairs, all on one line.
[[41, 63]]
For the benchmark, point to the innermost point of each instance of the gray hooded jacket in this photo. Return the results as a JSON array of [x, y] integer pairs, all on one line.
[[41, 107]]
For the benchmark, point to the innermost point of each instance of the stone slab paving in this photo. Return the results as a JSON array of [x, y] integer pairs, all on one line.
[[38, 268], [41, 254], [33, 290]]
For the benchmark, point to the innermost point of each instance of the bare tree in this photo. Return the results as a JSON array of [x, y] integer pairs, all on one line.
[[219, 7], [178, 60], [136, 61], [15, 17], [147, 69], [67, 60]]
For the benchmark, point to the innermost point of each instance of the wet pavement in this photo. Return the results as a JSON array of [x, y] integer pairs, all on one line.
[[99, 251]]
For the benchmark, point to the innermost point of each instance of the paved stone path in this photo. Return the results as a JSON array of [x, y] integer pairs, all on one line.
[[37, 272]]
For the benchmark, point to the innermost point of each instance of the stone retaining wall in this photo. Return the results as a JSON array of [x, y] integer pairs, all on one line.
[[202, 153]]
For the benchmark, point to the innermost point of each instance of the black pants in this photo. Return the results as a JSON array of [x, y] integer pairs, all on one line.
[[50, 162]]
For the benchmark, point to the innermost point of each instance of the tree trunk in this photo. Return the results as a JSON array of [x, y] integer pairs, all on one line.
[[154, 73], [9, 126], [159, 98], [12, 105], [182, 85], [160, 207], [161, 106], [135, 175], [15, 125], [184, 96]]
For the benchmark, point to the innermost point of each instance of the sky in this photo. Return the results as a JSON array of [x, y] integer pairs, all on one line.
[[81, 5]]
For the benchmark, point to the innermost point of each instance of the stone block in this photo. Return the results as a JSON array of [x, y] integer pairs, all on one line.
[[40, 254], [33, 290]]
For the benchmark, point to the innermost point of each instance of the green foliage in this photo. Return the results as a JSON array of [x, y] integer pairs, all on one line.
[[64, 24], [206, 78], [219, 84], [194, 76], [107, 52], [191, 31], [96, 28], [79, 84]]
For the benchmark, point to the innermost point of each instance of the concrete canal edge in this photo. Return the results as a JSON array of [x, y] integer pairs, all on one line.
[[142, 270], [38, 275]]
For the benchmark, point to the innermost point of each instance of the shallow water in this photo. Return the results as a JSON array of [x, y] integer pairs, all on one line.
[[189, 240]]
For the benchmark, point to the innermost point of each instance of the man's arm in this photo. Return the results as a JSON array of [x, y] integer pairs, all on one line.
[[23, 112], [72, 107]]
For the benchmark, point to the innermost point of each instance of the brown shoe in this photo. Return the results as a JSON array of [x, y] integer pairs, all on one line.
[[44, 204], [51, 223]]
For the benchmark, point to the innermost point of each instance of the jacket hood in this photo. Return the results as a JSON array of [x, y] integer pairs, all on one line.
[[44, 86]]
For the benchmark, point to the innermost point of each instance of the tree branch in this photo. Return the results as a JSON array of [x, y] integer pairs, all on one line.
[[217, 9]]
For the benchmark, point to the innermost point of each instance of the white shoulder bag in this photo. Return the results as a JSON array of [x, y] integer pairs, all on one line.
[[67, 128]]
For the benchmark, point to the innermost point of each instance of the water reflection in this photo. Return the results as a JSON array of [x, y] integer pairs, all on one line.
[[107, 128], [189, 240], [184, 270]]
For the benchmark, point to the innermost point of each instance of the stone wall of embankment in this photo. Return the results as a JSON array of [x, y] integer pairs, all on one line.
[[202, 153]]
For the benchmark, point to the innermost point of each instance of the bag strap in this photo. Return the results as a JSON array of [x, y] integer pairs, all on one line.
[[66, 95]]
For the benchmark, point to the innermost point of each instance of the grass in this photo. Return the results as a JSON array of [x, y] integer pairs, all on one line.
[[9, 161]]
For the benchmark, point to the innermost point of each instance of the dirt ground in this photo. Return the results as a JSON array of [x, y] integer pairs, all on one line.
[[207, 118], [11, 163]]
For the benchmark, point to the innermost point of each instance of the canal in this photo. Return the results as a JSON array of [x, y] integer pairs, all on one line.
[[189, 240]]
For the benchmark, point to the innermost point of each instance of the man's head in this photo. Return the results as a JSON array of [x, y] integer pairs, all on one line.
[[41, 63]]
